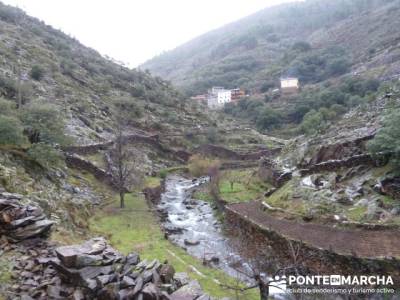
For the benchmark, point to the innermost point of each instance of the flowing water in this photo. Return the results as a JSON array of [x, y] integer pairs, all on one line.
[[192, 225]]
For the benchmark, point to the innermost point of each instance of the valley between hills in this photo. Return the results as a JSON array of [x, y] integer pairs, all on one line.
[[119, 183]]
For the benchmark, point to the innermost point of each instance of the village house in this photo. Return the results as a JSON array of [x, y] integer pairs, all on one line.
[[218, 97], [237, 94], [289, 85]]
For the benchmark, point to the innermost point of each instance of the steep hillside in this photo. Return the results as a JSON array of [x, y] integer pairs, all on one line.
[[315, 40], [41, 64]]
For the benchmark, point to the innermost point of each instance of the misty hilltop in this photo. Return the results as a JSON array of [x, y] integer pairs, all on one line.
[[314, 40]]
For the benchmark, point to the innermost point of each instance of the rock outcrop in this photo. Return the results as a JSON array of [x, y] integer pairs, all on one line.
[[268, 171], [20, 221], [94, 270]]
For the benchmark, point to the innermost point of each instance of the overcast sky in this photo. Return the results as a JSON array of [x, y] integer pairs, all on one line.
[[133, 31]]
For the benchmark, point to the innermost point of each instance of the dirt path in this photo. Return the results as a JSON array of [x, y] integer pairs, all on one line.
[[358, 242]]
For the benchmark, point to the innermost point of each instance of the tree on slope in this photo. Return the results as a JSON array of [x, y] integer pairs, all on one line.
[[124, 160], [387, 140]]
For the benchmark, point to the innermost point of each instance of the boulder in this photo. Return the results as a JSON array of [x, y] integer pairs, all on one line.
[[190, 291], [181, 279], [19, 221], [78, 255], [191, 242]]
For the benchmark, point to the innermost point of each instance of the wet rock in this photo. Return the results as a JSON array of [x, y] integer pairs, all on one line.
[[171, 229], [190, 242], [190, 291], [211, 259], [181, 279]]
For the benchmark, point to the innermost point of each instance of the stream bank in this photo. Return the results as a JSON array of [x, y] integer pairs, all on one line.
[[192, 225]]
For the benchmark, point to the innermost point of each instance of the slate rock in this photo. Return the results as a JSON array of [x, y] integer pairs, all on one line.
[[150, 292], [190, 291], [181, 279], [71, 255], [127, 282]]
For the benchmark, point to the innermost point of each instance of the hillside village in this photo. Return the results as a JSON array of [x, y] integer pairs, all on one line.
[[266, 149], [217, 97]]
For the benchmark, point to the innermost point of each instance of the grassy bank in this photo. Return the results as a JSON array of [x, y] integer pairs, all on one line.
[[235, 186], [135, 228]]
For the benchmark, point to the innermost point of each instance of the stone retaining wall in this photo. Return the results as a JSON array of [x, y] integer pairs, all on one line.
[[74, 161], [256, 240], [339, 150], [224, 153], [357, 160], [152, 141]]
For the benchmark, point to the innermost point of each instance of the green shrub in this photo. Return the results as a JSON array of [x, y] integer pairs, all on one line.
[[46, 155], [11, 131], [388, 138], [8, 87], [313, 122], [200, 166], [7, 107], [301, 46], [338, 66], [269, 119], [37, 72], [128, 108], [43, 124]]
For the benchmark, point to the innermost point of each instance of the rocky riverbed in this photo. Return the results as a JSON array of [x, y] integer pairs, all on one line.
[[193, 225]]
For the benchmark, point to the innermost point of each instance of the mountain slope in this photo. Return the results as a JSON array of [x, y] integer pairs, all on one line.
[[356, 35], [80, 82]]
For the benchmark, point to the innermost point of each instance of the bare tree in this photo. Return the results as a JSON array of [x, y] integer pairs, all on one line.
[[125, 167], [124, 160]]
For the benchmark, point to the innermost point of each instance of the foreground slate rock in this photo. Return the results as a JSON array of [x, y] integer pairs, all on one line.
[[190, 291], [94, 270], [20, 221]]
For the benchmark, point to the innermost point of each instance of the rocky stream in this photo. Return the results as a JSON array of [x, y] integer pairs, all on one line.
[[193, 225]]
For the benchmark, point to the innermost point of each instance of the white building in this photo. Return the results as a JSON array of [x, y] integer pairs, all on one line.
[[290, 84], [218, 97]]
